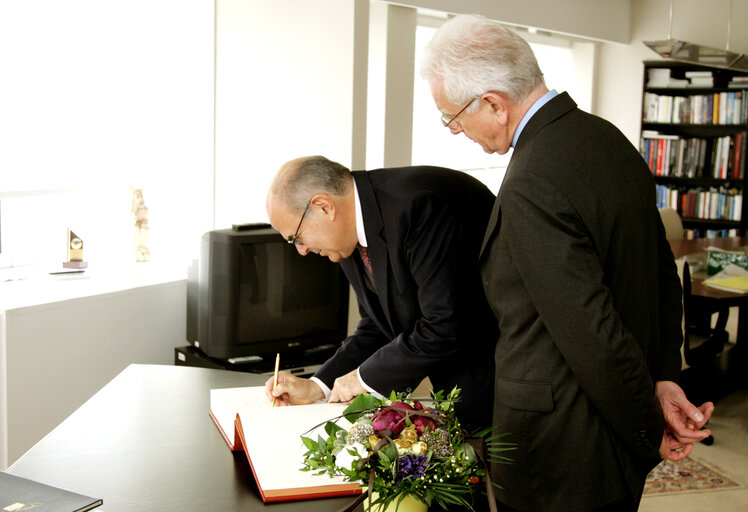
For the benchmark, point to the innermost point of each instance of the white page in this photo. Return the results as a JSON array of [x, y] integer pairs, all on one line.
[[273, 434]]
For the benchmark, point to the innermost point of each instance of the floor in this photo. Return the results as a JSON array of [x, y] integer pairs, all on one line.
[[729, 424], [728, 455]]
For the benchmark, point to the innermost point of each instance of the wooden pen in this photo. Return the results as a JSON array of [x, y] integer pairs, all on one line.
[[275, 375]]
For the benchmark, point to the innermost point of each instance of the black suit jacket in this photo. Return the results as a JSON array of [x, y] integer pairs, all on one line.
[[429, 316], [579, 273]]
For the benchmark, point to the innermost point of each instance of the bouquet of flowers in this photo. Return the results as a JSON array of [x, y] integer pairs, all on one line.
[[399, 447]]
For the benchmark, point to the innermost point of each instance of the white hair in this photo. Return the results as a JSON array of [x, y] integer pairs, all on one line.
[[472, 55]]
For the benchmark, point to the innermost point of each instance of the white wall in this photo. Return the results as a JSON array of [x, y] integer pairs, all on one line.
[[95, 96], [284, 89], [618, 89], [605, 20]]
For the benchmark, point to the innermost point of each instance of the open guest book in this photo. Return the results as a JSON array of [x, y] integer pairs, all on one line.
[[17, 494], [271, 439]]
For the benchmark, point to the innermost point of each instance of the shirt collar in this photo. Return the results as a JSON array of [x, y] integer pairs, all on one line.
[[531, 112], [360, 232]]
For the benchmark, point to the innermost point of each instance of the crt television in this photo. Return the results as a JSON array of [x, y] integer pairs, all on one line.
[[257, 295]]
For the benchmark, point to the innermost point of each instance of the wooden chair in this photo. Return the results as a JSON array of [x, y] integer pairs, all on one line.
[[673, 224], [703, 340]]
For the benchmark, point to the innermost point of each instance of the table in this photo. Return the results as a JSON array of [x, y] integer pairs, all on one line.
[[145, 442], [732, 362], [695, 250]]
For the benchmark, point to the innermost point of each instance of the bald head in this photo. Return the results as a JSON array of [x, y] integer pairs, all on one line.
[[317, 192], [299, 179]]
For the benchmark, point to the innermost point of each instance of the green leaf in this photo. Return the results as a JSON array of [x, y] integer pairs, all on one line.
[[331, 428], [309, 443], [360, 405]]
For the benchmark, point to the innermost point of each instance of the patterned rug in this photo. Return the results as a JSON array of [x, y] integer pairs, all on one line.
[[685, 476]]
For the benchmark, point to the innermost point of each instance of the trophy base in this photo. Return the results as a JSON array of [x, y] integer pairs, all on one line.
[[75, 264]]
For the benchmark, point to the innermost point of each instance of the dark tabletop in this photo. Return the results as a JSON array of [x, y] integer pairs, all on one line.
[[146, 442]]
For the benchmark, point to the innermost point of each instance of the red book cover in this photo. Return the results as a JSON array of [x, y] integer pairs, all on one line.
[[737, 156], [270, 437], [660, 144]]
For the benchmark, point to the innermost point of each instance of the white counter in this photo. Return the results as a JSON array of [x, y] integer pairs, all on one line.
[[62, 337]]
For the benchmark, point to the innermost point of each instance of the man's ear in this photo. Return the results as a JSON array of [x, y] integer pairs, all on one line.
[[325, 203], [499, 104]]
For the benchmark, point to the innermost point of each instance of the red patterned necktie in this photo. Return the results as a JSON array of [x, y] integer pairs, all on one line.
[[365, 256]]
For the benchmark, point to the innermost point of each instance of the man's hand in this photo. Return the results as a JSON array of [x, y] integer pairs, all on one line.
[[672, 449], [293, 390], [346, 388], [684, 420]]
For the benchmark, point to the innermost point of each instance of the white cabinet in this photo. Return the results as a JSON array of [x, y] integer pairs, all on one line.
[[62, 339]]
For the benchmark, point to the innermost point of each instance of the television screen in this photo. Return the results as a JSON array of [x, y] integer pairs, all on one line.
[[258, 295]]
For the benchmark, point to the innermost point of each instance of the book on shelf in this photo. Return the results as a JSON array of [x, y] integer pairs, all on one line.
[[702, 82], [18, 493], [671, 155], [660, 78], [695, 73], [724, 107], [270, 437], [700, 203], [700, 78], [738, 82]]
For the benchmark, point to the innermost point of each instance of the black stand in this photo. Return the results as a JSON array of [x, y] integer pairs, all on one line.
[[301, 364]]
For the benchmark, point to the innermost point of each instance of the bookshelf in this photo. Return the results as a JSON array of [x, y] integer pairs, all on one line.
[[693, 136]]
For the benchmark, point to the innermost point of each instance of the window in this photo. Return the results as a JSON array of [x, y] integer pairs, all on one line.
[[100, 97]]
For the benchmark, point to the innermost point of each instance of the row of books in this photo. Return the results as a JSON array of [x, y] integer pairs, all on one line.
[[671, 155], [738, 82], [700, 203], [660, 77], [692, 234], [727, 107]]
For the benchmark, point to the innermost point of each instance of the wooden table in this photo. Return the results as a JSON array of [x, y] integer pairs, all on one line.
[[695, 251], [146, 442], [730, 370]]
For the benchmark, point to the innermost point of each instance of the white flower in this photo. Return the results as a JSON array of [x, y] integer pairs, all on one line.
[[345, 459], [419, 448]]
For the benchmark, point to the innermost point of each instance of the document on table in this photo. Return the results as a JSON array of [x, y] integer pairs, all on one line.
[[271, 439], [732, 279]]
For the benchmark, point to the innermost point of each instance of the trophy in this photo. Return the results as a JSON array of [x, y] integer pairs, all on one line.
[[75, 252]]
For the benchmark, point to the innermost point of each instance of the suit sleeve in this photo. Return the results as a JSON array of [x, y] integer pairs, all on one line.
[[360, 345], [435, 252], [671, 311], [561, 271]]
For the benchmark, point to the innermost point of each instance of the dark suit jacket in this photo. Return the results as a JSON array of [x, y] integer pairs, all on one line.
[[579, 273], [424, 227]]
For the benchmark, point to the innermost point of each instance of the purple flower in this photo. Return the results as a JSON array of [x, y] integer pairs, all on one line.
[[411, 466]]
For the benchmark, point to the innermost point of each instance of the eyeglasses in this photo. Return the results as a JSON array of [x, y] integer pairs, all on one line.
[[446, 121], [295, 238]]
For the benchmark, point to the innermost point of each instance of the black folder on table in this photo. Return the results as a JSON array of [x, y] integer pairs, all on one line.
[[18, 494]]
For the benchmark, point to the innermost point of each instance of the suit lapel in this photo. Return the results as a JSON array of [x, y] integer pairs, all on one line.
[[374, 228], [549, 112], [494, 223]]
